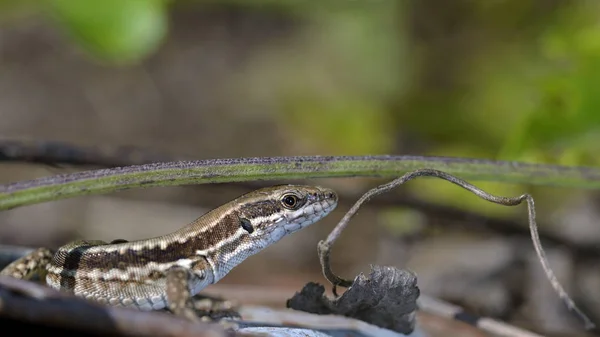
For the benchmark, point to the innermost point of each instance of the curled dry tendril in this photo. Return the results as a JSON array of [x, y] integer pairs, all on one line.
[[324, 247]]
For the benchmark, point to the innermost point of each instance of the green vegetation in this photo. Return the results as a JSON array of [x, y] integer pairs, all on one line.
[[508, 80]]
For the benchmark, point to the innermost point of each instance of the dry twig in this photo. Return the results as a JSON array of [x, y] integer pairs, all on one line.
[[324, 247]]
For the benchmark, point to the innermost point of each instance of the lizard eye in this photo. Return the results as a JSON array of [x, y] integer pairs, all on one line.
[[246, 225], [290, 201]]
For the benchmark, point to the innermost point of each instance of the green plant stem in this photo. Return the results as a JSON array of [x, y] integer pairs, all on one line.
[[268, 168]]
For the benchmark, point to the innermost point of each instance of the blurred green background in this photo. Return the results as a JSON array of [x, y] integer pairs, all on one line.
[[511, 80]]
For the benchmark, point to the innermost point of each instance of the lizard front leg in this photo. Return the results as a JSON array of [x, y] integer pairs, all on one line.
[[180, 282], [29, 266], [179, 296]]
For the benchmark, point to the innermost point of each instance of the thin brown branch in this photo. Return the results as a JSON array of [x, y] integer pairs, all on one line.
[[324, 247]]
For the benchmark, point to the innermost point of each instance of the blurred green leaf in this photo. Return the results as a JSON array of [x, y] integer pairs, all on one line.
[[121, 31], [563, 126]]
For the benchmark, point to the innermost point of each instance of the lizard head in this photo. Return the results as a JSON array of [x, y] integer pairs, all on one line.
[[271, 213], [265, 216]]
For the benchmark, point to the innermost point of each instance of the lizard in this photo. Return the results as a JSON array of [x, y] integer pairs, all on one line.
[[164, 272]]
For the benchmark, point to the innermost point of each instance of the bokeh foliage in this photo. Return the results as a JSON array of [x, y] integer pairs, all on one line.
[[118, 30], [513, 80]]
